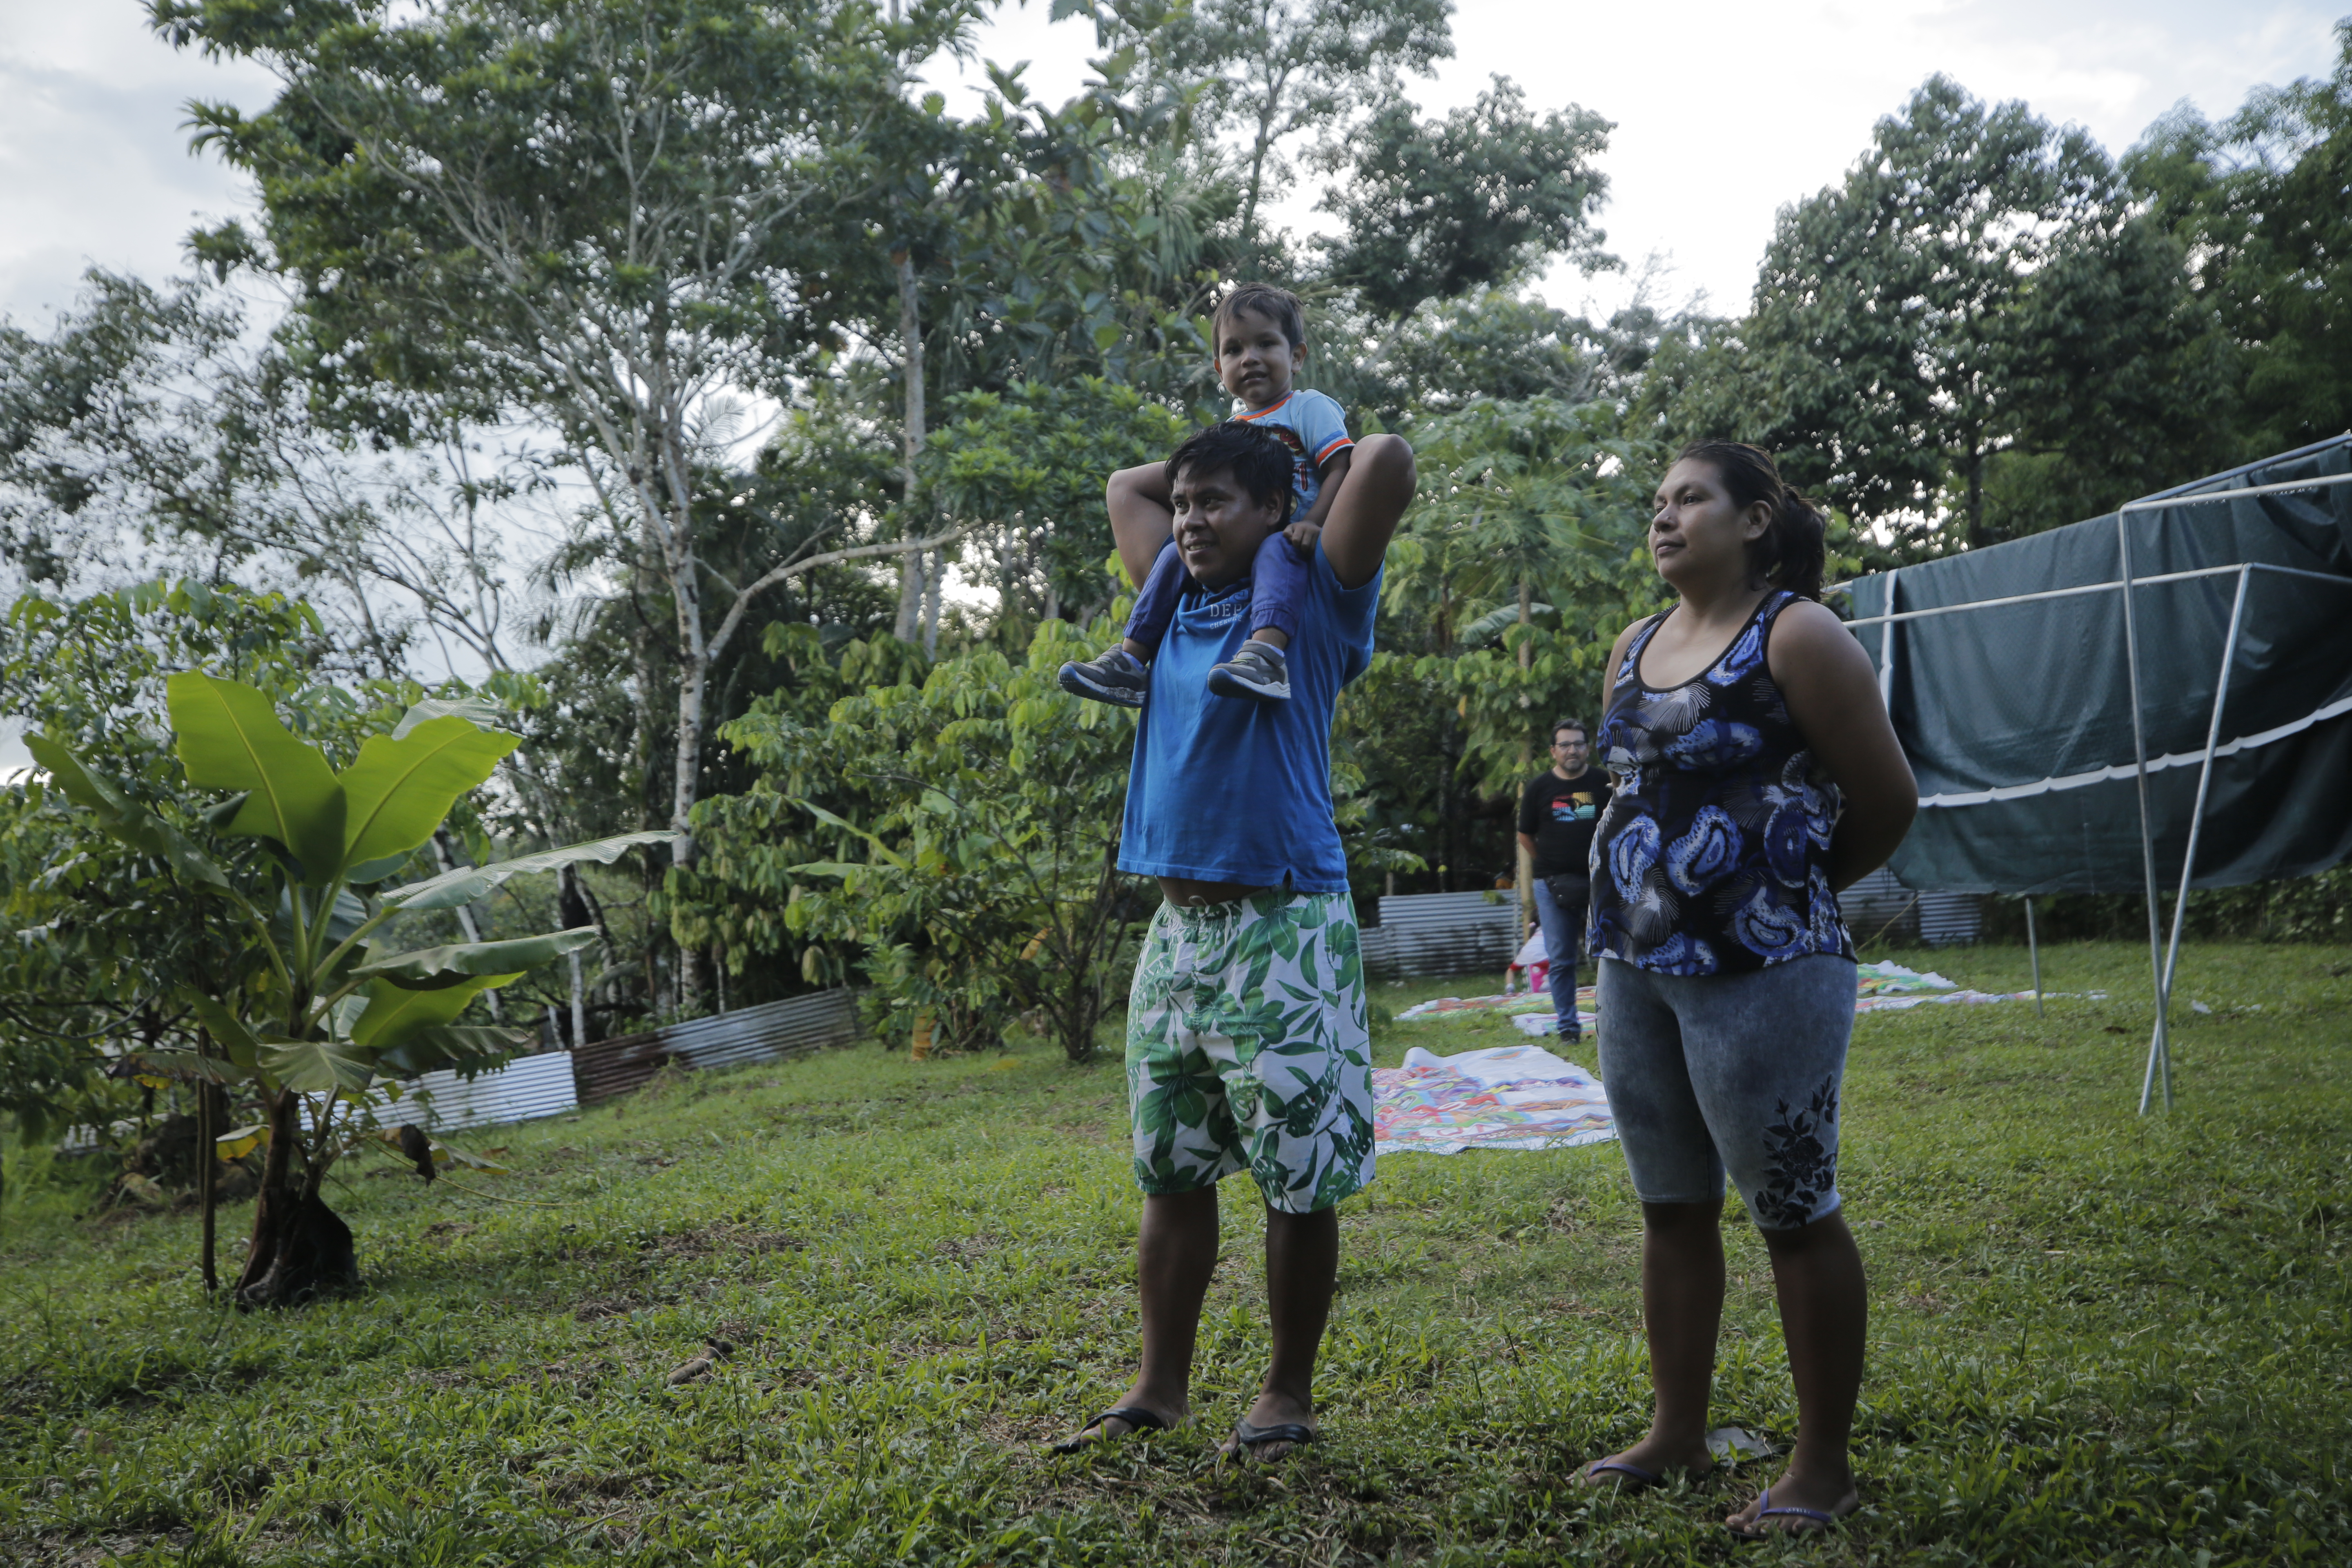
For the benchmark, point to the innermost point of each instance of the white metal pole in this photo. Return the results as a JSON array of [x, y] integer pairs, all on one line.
[[1887, 647], [2196, 826], [2160, 1044], [2076, 593], [2033, 951]]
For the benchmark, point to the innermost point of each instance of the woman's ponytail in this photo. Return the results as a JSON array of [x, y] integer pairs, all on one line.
[[1793, 551]]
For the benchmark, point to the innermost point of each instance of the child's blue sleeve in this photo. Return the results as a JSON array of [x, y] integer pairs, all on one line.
[[1322, 429]]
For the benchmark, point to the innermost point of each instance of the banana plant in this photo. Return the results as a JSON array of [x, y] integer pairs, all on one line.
[[319, 1019]]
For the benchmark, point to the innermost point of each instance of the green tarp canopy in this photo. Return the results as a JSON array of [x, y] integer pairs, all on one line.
[[2162, 690]]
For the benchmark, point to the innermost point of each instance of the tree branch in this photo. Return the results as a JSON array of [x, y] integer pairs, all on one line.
[[742, 604]]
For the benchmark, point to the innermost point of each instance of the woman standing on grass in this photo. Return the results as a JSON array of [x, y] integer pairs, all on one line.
[[1757, 774]]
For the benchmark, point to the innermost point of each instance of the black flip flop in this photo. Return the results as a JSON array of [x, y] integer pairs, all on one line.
[[1137, 1418], [1246, 1438]]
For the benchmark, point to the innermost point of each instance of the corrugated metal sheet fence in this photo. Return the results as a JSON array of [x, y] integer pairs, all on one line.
[[524, 1088], [531, 1087], [1879, 904], [765, 1033], [1441, 933]]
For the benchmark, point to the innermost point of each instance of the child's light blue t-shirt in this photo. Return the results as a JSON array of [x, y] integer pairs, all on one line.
[[1222, 790], [1313, 427]]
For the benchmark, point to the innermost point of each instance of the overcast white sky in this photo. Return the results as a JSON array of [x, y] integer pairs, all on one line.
[[1725, 111]]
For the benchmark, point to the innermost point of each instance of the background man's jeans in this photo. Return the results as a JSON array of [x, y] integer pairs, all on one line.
[[1563, 931]]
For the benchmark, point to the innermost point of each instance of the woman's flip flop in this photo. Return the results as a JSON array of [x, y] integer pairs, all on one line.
[[1246, 1438], [1818, 1523]]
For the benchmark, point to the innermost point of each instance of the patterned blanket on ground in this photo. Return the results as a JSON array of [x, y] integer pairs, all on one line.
[[1512, 1096], [1878, 988]]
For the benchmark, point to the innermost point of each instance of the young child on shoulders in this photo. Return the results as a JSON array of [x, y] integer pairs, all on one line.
[[1261, 346]]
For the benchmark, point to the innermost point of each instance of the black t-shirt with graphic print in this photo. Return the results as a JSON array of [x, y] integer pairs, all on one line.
[[1559, 814]]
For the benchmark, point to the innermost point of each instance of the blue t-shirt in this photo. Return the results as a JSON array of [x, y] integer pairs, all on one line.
[[1224, 790], [1313, 427]]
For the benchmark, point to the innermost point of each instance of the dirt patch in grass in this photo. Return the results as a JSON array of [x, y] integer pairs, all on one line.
[[722, 1238]]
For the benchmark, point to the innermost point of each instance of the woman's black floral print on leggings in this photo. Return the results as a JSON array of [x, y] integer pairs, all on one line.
[[1800, 1160]]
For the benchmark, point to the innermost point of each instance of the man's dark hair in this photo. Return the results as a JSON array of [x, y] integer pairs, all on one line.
[[1259, 463], [1279, 306], [1575, 724]]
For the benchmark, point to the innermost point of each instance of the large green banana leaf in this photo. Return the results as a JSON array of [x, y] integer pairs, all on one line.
[[467, 883], [228, 1030], [462, 1048], [438, 968], [228, 738], [117, 814], [316, 1066], [393, 1013], [399, 790]]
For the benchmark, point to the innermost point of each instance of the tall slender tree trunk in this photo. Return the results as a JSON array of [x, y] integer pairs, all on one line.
[[207, 1166], [1525, 862], [642, 654], [935, 575], [574, 913], [915, 569], [1261, 150], [693, 689]]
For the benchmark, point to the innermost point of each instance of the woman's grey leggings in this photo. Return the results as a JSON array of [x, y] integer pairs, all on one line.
[[1729, 1072]]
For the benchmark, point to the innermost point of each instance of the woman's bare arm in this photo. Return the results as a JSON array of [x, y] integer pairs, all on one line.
[[1141, 519], [1609, 684], [1832, 696]]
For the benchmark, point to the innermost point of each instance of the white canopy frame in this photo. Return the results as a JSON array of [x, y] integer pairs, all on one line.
[[2163, 956]]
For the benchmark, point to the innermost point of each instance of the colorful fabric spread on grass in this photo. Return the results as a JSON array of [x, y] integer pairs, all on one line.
[[1887, 987], [1878, 988], [1521, 1002], [1512, 1096]]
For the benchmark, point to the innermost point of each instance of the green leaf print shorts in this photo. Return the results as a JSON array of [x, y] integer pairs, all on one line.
[[1246, 1048]]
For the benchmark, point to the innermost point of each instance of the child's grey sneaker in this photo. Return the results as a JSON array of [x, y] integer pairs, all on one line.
[[1115, 676], [1260, 671]]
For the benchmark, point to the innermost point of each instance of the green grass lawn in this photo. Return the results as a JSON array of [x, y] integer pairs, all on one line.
[[2095, 1338]]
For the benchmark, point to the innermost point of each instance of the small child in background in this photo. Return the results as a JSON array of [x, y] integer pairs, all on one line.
[[1533, 964], [1261, 346]]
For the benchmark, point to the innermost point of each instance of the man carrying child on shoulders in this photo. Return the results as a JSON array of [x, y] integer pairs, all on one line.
[[1247, 1047]]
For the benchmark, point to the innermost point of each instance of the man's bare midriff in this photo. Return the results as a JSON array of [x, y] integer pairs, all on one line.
[[1185, 893]]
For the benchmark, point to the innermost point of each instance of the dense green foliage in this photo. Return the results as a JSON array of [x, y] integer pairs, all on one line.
[[104, 939], [2258, 203], [979, 878], [1977, 334], [285, 981], [2094, 1338]]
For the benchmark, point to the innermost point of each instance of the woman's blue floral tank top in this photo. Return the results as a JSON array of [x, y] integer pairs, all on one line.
[[1713, 856]]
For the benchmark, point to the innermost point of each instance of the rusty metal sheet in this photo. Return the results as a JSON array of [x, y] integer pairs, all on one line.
[[1441, 933], [765, 1033]]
